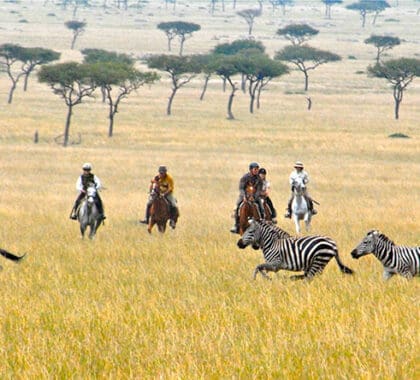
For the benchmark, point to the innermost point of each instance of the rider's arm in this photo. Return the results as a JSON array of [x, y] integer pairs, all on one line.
[[79, 185], [98, 183], [242, 185], [170, 182]]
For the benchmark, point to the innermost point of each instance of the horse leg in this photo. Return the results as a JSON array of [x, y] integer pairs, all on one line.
[[307, 221], [297, 225]]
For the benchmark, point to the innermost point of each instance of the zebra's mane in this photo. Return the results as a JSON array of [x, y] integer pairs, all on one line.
[[281, 234], [382, 237]]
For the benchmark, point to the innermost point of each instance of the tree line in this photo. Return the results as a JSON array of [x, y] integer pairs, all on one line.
[[246, 59]]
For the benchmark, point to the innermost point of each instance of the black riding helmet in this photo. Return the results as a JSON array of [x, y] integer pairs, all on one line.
[[253, 165], [262, 171]]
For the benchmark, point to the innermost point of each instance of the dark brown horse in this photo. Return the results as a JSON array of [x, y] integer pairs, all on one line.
[[249, 209], [160, 213]]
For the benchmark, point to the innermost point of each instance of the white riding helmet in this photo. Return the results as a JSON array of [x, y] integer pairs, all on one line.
[[87, 166], [298, 164]]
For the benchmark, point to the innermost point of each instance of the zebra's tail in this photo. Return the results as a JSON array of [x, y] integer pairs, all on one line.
[[11, 256], [343, 268]]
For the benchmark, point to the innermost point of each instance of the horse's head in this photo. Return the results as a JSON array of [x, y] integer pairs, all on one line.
[[250, 192], [298, 186], [91, 193]]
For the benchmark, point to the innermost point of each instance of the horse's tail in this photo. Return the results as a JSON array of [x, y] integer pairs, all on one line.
[[343, 268], [11, 256]]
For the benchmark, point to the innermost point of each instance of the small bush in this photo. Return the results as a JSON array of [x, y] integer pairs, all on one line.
[[399, 136], [351, 57]]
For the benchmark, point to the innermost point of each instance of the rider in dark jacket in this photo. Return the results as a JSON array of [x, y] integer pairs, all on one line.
[[254, 179]]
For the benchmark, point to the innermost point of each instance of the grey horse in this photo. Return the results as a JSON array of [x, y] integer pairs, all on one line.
[[88, 214]]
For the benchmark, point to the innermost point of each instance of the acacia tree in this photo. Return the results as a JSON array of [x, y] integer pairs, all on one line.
[[236, 47], [297, 34], [400, 73], [122, 76], [368, 6], [100, 55], [36, 57], [328, 6], [382, 43], [282, 4], [306, 58], [77, 27], [181, 71], [226, 67], [11, 57], [180, 29], [72, 82], [259, 70], [249, 16]]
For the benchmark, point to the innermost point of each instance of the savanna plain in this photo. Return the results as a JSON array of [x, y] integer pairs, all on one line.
[[183, 304]]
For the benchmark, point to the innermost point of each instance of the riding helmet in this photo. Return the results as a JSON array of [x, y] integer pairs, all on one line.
[[162, 169], [262, 171], [253, 165], [298, 164], [87, 166]]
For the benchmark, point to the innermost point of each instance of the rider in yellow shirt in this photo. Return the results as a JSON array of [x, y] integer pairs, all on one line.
[[164, 183]]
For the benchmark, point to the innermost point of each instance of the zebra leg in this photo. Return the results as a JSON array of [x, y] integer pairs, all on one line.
[[316, 267], [267, 267], [298, 277], [387, 275]]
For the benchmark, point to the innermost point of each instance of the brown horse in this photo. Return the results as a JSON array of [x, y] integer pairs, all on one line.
[[249, 209], [160, 213]]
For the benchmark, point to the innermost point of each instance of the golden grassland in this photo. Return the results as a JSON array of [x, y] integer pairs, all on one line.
[[183, 304]]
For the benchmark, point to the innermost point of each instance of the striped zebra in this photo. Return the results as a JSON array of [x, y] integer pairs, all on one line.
[[309, 254], [395, 259]]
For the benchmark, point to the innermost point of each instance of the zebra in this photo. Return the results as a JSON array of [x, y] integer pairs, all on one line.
[[395, 259], [309, 254]]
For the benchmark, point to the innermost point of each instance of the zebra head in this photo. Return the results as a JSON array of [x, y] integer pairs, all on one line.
[[250, 236], [367, 245]]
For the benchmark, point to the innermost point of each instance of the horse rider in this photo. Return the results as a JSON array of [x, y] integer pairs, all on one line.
[[83, 182], [164, 183], [299, 173], [265, 193], [250, 178]]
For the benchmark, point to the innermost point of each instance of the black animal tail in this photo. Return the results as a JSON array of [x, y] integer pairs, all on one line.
[[11, 256], [343, 268]]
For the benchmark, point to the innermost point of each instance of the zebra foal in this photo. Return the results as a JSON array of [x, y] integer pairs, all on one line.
[[309, 254], [395, 259]]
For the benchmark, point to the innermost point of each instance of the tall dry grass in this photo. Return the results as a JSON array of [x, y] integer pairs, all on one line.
[[183, 305]]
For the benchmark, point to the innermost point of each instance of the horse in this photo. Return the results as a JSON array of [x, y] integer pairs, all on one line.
[[160, 212], [88, 214], [249, 209], [300, 207], [10, 256]]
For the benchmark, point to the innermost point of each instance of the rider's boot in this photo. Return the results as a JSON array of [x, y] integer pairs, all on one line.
[[147, 216], [235, 228], [311, 207], [172, 214], [274, 216], [289, 212], [73, 214]]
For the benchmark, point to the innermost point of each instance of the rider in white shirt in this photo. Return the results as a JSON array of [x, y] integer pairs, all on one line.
[[82, 183], [299, 173]]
